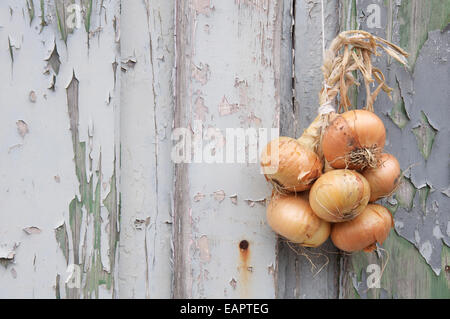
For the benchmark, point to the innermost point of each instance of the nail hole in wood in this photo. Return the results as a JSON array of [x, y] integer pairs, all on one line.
[[243, 244]]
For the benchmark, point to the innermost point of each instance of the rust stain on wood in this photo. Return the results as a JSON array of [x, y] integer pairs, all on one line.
[[244, 268]]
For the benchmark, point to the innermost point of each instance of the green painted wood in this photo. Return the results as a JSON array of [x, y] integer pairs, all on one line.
[[418, 264], [406, 274], [59, 154]]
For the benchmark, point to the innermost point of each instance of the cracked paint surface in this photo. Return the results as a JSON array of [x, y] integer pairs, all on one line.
[[237, 88], [423, 206], [61, 197], [146, 169], [416, 134], [88, 212], [64, 203]]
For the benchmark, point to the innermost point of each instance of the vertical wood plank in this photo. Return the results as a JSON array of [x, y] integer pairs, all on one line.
[[147, 99], [416, 127], [288, 121], [58, 150], [228, 76], [309, 272]]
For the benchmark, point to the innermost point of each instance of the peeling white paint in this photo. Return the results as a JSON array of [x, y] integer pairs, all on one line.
[[437, 232], [219, 195], [22, 128], [43, 182], [32, 97], [426, 250], [203, 246], [398, 224], [242, 90], [8, 250], [417, 237], [146, 102], [234, 199], [32, 230]]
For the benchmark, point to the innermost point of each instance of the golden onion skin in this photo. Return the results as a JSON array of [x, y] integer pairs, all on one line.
[[339, 195], [383, 179], [337, 141], [350, 132], [298, 166], [290, 216], [362, 233], [369, 128], [320, 236]]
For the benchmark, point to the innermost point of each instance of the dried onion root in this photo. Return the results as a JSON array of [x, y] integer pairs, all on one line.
[[354, 140]]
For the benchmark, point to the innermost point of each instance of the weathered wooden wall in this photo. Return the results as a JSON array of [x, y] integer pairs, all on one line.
[[147, 101], [89, 100], [59, 151], [416, 122], [225, 79], [308, 273]]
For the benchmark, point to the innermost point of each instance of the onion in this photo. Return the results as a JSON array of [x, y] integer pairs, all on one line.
[[339, 195], [298, 166], [354, 140], [363, 232], [384, 179], [291, 216]]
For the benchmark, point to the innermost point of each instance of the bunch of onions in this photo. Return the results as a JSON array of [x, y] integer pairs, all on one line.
[[291, 216], [339, 157], [354, 139], [363, 232], [339, 195], [289, 165], [383, 179]]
